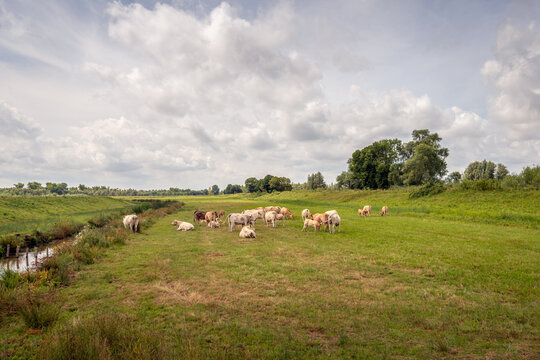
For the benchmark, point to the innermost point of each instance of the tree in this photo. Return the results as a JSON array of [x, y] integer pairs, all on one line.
[[480, 170], [34, 185], [82, 187], [19, 185], [454, 177], [346, 180], [215, 189], [370, 166], [424, 158], [316, 181], [232, 189], [501, 172], [280, 184], [424, 166], [252, 185], [54, 188]]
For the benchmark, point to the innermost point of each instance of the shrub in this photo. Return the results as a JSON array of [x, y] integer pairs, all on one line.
[[38, 310], [10, 279], [94, 237], [58, 267], [103, 337], [84, 254], [431, 188]]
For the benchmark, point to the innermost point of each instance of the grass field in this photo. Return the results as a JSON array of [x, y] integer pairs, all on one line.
[[441, 277], [20, 214]]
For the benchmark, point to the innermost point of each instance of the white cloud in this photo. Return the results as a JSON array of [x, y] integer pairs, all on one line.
[[515, 74]]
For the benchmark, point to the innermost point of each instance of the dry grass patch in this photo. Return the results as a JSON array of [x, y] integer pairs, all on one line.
[[177, 292]]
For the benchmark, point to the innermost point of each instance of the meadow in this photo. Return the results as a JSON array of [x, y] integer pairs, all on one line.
[[456, 275]]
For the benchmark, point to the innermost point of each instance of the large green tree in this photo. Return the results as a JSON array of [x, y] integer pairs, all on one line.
[[425, 158], [371, 166]]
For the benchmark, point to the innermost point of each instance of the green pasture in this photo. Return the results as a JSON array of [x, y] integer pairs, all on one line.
[[436, 279], [20, 214]]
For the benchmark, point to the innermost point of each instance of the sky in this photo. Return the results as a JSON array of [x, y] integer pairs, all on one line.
[[188, 94]]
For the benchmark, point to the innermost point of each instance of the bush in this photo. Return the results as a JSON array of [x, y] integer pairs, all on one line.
[[103, 337], [84, 254], [482, 185], [94, 237], [58, 267], [38, 310], [428, 189], [9, 279]]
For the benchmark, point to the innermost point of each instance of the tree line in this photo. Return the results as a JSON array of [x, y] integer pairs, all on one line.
[[384, 163]]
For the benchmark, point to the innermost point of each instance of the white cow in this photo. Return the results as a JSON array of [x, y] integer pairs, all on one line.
[[306, 214], [237, 219], [131, 222], [334, 220], [247, 232], [182, 225]]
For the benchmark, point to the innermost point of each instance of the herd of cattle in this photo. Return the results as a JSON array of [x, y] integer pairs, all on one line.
[[270, 215]]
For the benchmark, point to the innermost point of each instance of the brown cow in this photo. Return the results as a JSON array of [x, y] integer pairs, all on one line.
[[210, 216], [323, 219], [198, 215], [287, 213], [221, 213]]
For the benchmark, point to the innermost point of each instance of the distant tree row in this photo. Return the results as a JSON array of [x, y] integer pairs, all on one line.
[[50, 188], [269, 183]]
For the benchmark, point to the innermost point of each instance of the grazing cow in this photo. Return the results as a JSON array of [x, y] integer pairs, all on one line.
[[213, 224], [281, 217], [131, 222], [277, 209], [384, 211], [306, 214], [221, 213], [247, 232], [334, 220], [210, 216], [314, 223], [367, 210], [182, 226], [259, 214], [270, 216], [198, 215], [287, 213], [237, 219], [322, 218]]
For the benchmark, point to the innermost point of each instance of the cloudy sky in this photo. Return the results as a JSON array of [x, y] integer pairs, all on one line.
[[190, 93]]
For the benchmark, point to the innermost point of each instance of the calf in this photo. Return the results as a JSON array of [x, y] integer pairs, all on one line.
[[314, 223], [322, 218], [384, 211]]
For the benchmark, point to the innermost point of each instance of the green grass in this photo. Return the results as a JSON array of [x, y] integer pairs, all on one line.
[[23, 214], [436, 279]]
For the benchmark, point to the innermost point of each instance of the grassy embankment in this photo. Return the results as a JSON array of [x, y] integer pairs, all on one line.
[[21, 214], [451, 276]]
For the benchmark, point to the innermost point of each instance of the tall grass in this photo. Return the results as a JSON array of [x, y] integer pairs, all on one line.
[[38, 309], [103, 337]]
